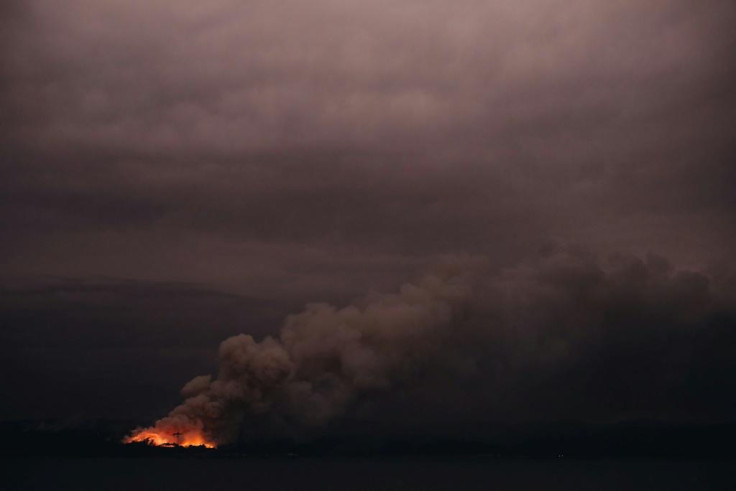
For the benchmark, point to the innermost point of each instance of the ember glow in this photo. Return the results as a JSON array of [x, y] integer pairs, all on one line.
[[157, 437]]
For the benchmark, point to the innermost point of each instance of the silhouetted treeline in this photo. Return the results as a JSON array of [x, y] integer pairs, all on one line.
[[631, 440]]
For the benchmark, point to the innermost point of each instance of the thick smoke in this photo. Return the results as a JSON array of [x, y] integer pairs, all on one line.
[[567, 335], [324, 357]]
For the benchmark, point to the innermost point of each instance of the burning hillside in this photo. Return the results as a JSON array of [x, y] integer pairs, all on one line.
[[172, 437]]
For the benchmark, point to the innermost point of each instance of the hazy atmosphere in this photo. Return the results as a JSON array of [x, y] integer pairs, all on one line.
[[439, 217]]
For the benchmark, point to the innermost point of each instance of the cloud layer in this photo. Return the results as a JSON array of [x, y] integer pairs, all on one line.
[[176, 161], [142, 136]]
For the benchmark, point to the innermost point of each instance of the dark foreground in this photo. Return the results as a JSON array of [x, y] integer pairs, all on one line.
[[425, 473], [638, 456]]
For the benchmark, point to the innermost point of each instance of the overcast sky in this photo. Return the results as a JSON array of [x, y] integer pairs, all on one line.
[[172, 173]]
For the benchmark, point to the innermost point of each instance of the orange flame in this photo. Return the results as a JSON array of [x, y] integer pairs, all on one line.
[[156, 437]]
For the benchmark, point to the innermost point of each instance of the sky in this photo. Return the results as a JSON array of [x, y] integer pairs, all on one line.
[[175, 173]]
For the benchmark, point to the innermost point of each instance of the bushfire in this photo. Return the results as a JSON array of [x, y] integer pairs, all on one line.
[[173, 438]]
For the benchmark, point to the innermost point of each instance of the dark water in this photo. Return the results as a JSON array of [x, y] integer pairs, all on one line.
[[364, 474]]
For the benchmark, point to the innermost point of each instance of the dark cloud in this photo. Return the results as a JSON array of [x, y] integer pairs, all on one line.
[[419, 128], [314, 151]]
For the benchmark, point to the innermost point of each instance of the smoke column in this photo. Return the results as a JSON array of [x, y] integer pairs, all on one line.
[[322, 358], [564, 335]]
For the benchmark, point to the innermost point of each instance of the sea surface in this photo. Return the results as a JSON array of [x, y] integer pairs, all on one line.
[[363, 474]]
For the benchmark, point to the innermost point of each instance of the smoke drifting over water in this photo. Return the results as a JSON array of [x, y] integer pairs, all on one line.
[[564, 335]]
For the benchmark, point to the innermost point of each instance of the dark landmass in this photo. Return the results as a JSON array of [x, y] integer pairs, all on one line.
[[626, 440]]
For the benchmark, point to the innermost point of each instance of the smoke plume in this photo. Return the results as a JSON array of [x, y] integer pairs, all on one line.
[[323, 358], [564, 335]]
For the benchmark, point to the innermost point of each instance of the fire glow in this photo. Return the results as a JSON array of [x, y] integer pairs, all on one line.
[[158, 438]]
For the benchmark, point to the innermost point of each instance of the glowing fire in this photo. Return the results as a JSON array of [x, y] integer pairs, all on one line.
[[152, 436]]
